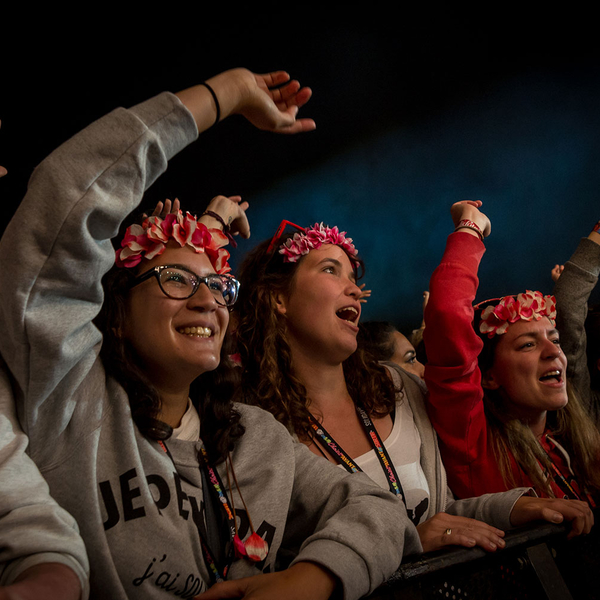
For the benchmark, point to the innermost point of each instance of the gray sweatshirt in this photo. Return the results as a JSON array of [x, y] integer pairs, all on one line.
[[33, 528], [136, 509], [572, 291]]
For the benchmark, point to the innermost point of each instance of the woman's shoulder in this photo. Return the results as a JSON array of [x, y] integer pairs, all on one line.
[[406, 383], [256, 417], [264, 436]]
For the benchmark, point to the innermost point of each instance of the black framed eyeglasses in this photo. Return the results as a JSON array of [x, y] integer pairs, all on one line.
[[180, 283]]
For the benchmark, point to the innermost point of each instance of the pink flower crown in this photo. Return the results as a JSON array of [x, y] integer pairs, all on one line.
[[529, 306], [150, 239], [314, 237]]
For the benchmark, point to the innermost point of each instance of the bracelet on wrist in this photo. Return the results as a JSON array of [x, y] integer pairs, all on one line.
[[226, 228], [218, 107], [467, 224]]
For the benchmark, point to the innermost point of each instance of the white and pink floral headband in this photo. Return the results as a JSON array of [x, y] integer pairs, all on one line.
[[150, 239], [311, 238], [496, 318]]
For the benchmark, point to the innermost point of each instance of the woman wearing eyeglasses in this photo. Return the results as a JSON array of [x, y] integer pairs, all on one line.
[[174, 487], [298, 319], [498, 393]]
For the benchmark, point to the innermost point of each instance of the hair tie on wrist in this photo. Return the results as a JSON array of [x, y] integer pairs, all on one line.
[[226, 228], [212, 93], [466, 224]]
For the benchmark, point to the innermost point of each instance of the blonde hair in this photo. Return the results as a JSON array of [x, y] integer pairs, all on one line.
[[514, 440]]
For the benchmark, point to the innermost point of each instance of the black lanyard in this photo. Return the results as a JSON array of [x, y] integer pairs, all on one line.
[[217, 569], [342, 457]]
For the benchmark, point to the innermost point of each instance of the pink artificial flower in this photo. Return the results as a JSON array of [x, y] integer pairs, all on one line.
[[218, 259], [256, 548], [238, 547], [151, 237], [159, 229], [527, 306], [314, 237]]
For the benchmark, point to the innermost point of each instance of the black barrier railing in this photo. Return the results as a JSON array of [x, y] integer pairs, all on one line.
[[538, 562]]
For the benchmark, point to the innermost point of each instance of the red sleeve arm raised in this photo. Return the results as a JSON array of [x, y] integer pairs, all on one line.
[[455, 399]]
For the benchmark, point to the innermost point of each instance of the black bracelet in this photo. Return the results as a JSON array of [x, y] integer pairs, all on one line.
[[212, 93], [226, 228]]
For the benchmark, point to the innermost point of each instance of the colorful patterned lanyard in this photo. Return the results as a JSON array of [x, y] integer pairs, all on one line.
[[568, 484], [338, 453], [217, 572]]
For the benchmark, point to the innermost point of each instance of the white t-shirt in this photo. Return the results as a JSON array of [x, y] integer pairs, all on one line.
[[189, 428], [403, 446]]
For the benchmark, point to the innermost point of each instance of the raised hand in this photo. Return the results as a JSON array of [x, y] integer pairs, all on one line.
[[164, 208], [556, 272], [232, 211], [364, 294], [469, 210], [451, 530], [270, 101], [273, 103]]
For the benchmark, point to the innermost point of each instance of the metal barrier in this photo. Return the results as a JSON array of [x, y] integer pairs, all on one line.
[[538, 562]]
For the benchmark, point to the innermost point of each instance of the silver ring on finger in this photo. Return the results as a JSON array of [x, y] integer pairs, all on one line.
[[448, 531]]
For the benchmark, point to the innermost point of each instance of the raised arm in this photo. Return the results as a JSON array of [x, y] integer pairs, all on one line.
[[269, 101], [455, 399], [57, 247], [572, 291]]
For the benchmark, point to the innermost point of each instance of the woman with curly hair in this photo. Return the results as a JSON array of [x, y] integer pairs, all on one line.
[[498, 396], [297, 324]]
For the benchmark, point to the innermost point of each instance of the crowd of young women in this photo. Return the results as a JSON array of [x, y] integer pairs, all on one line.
[[327, 469], [297, 326]]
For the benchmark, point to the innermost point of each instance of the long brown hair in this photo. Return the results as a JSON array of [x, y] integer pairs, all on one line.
[[211, 393], [267, 376], [570, 425]]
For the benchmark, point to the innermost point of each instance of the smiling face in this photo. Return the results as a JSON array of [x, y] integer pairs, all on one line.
[[177, 340], [529, 370], [405, 355], [322, 308]]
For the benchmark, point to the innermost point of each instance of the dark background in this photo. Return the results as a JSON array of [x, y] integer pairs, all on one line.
[[413, 111]]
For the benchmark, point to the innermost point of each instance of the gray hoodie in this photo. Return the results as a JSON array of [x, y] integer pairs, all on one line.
[[33, 528]]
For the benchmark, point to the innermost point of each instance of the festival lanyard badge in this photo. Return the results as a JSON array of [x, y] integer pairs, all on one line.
[[567, 483], [342, 457], [254, 549]]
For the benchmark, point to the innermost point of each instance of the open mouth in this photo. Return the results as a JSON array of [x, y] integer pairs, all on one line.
[[554, 376], [348, 313], [203, 332]]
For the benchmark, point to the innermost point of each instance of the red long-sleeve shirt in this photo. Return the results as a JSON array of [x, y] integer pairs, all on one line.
[[455, 399]]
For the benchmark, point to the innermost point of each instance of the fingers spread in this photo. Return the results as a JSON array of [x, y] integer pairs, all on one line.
[[275, 78], [285, 93], [162, 209], [298, 126]]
